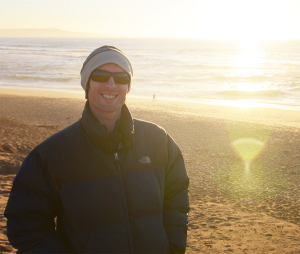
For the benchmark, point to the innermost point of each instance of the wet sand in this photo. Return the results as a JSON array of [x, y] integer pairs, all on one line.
[[234, 207]]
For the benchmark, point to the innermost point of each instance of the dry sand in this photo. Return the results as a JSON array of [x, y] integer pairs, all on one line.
[[232, 209]]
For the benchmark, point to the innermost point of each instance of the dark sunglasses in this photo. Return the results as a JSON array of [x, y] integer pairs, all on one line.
[[103, 76]]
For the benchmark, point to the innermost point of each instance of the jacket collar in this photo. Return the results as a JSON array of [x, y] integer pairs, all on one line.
[[107, 141]]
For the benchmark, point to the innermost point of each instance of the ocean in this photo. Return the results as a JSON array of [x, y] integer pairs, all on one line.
[[221, 72]]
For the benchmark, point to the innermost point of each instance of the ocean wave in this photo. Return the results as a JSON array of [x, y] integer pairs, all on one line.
[[25, 77], [297, 89], [232, 67], [251, 94], [13, 47], [69, 74], [204, 66], [292, 84], [56, 54], [139, 79], [245, 78], [43, 52], [23, 46]]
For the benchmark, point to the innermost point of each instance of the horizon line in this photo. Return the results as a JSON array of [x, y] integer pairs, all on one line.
[[68, 34]]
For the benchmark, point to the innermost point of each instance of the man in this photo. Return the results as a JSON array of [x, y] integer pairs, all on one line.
[[114, 184]]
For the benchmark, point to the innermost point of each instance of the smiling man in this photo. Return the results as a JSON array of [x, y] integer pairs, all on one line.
[[114, 184], [107, 98]]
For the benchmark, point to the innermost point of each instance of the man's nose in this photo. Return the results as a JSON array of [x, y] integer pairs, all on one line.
[[111, 82]]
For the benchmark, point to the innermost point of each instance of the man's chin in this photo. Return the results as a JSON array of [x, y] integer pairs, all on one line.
[[110, 108]]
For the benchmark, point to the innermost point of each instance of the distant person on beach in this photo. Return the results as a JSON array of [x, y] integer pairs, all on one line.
[[106, 184], [154, 97]]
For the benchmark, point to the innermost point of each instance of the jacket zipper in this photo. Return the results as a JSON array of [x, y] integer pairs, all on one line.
[[117, 161]]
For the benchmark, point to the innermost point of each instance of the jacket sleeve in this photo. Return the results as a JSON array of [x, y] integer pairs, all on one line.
[[32, 206], [176, 203]]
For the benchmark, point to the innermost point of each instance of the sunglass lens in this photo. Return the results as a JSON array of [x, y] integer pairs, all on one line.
[[122, 80], [100, 78]]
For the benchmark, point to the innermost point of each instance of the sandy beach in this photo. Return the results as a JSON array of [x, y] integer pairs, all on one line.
[[243, 164]]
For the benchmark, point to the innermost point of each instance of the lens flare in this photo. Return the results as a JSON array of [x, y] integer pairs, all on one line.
[[247, 149], [250, 175]]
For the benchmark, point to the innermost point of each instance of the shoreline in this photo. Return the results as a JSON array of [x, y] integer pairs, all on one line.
[[264, 116], [214, 102], [232, 209]]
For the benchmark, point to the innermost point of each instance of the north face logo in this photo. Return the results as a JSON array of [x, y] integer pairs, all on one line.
[[145, 159]]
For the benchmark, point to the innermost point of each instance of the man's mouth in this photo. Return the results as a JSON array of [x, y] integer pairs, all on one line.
[[109, 96]]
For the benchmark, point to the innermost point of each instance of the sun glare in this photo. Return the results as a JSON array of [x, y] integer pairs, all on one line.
[[248, 43], [246, 62], [240, 104], [248, 54]]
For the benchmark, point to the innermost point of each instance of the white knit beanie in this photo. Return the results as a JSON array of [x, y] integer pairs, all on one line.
[[103, 55]]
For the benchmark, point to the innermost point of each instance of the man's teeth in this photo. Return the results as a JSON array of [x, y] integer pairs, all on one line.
[[107, 96]]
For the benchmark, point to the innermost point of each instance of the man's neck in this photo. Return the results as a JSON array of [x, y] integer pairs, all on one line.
[[106, 118]]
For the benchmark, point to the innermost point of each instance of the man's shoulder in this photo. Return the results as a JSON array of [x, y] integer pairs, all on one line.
[[149, 132], [60, 138], [148, 126]]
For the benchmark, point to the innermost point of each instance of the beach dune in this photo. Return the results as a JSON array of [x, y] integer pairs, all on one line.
[[243, 164]]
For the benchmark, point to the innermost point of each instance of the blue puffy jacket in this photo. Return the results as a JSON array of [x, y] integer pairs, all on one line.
[[124, 191]]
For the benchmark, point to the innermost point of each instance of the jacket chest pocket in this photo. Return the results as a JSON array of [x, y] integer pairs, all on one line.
[[92, 203]]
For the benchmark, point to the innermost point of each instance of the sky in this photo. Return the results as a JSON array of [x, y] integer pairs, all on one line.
[[241, 19]]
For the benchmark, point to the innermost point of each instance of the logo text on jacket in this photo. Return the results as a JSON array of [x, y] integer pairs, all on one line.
[[145, 159]]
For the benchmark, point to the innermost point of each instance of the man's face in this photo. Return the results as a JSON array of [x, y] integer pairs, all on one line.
[[107, 96]]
